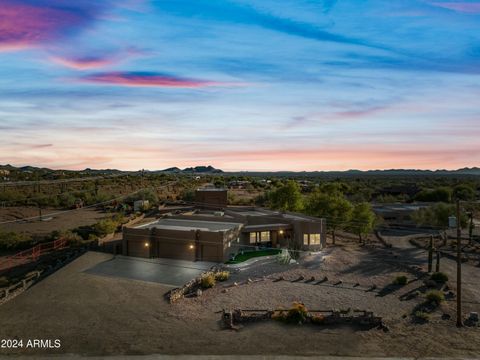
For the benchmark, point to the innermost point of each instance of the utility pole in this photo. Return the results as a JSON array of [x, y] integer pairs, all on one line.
[[459, 268]]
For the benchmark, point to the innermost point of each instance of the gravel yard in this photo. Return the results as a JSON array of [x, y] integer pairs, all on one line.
[[98, 315], [61, 221]]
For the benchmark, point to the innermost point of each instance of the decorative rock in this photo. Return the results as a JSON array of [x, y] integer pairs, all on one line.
[[473, 316], [446, 317], [224, 291], [312, 278], [199, 292], [430, 283], [235, 284]]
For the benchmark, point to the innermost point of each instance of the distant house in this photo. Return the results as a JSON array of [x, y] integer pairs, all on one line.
[[398, 213]]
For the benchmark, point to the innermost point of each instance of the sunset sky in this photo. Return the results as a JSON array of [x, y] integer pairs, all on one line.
[[241, 85]]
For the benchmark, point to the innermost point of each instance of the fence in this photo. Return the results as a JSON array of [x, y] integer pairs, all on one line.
[[32, 254]]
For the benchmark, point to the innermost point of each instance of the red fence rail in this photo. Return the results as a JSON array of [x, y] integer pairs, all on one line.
[[31, 255]]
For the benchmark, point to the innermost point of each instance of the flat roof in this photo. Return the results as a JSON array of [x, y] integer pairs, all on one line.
[[188, 225], [266, 227], [213, 189]]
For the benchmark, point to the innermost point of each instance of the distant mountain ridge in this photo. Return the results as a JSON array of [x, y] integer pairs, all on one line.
[[197, 169], [211, 170]]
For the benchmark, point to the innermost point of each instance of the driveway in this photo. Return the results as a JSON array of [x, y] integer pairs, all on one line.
[[168, 272]]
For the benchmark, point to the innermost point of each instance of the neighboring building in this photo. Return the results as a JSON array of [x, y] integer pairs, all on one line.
[[211, 198], [206, 235], [140, 205], [398, 213]]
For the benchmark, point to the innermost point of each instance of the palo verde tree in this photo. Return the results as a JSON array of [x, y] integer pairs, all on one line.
[[287, 197], [363, 220], [333, 206]]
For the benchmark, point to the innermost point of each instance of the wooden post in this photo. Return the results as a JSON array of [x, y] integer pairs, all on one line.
[[459, 268], [430, 254], [437, 266]]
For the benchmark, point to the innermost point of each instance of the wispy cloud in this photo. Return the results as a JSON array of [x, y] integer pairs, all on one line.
[[463, 7], [84, 63], [227, 11], [149, 79]]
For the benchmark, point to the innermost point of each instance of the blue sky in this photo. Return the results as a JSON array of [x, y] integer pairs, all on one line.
[[241, 85]]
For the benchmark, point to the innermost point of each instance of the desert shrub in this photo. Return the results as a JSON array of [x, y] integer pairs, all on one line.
[[435, 297], [10, 240], [4, 281], [279, 315], [105, 226], [297, 314], [400, 280], [421, 315], [318, 319], [222, 276], [207, 281], [439, 277]]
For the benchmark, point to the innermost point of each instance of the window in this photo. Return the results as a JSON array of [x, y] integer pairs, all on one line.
[[315, 239], [305, 239], [265, 236], [253, 238]]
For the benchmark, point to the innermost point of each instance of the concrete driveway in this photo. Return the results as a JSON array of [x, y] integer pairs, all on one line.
[[168, 272]]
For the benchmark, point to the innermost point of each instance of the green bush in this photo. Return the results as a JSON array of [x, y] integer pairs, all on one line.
[[421, 315], [400, 280], [222, 276], [439, 277], [207, 281], [435, 297]]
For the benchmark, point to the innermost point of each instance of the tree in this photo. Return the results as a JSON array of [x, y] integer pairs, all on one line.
[[437, 215], [440, 194], [287, 197], [363, 219], [333, 206], [464, 192]]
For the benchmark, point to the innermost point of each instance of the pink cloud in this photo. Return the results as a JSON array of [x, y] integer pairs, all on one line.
[[148, 79], [25, 25], [465, 7], [83, 63]]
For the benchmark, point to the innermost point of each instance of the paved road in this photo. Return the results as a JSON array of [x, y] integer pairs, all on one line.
[[168, 272]]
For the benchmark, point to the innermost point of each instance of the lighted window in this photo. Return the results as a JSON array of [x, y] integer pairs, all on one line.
[[315, 239], [305, 239], [253, 238], [265, 236]]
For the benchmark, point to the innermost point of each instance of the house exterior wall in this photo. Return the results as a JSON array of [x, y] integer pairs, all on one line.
[[177, 244]]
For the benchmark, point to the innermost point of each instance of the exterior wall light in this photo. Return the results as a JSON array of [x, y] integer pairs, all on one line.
[[147, 244], [280, 232], [191, 247]]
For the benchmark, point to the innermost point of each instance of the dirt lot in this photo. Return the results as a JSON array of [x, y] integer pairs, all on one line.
[[61, 222], [99, 315]]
